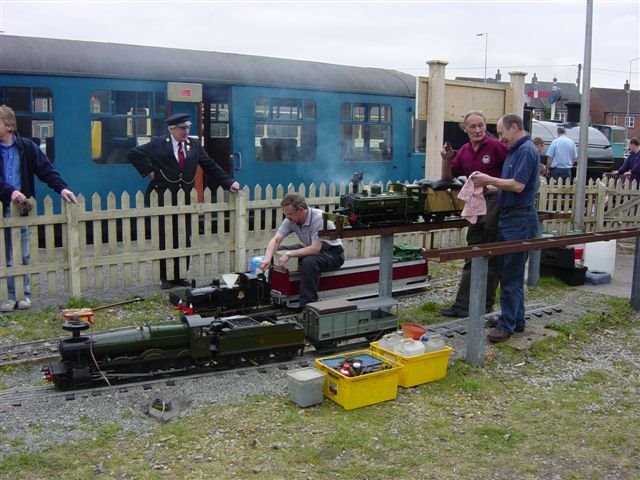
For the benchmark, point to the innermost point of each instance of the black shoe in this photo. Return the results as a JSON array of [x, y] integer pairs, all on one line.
[[166, 285], [454, 311], [498, 335], [182, 283], [492, 322]]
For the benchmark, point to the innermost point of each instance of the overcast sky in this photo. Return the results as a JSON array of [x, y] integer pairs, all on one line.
[[542, 37]]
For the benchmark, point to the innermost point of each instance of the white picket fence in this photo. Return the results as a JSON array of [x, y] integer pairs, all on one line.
[[109, 245]]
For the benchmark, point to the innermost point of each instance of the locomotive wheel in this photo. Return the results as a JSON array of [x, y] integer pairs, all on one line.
[[153, 354], [63, 383]]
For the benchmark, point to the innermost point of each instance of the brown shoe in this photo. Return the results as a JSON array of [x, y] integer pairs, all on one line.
[[492, 322], [498, 335]]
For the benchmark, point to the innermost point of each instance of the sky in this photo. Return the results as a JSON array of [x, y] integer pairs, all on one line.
[[542, 37]]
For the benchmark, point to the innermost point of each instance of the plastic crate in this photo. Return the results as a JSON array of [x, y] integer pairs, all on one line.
[[361, 390], [418, 369], [305, 386]]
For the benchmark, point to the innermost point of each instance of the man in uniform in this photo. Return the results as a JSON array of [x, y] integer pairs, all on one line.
[[171, 162]]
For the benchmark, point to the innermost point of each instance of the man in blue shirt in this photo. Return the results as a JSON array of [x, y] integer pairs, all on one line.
[[632, 162], [517, 191], [560, 155], [21, 160]]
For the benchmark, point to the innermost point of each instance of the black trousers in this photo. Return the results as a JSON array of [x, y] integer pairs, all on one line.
[[329, 258], [484, 231], [175, 243]]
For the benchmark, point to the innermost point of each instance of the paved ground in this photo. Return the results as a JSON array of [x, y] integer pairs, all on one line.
[[621, 277]]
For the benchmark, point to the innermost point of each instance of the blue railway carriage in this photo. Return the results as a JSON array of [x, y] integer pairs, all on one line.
[[264, 120]]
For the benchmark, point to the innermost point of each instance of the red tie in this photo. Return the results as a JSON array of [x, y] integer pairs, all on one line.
[[180, 156]]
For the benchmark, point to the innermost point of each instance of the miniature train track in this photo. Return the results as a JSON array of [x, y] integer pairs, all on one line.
[[459, 327]]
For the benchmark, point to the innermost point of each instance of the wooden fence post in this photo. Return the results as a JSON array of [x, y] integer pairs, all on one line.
[[73, 248], [242, 228], [601, 194]]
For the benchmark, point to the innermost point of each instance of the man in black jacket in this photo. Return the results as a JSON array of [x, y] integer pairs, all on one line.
[[21, 160], [171, 162]]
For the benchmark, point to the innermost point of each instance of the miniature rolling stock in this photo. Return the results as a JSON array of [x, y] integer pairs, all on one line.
[[401, 204], [218, 343]]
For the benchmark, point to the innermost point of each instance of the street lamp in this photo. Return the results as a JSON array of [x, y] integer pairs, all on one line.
[[486, 49], [627, 87]]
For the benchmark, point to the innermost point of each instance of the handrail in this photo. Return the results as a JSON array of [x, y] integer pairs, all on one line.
[[500, 248]]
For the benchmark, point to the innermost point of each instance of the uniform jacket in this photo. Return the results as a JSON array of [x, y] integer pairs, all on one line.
[[157, 156], [32, 162]]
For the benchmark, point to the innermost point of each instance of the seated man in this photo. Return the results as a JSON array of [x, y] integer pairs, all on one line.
[[315, 255]]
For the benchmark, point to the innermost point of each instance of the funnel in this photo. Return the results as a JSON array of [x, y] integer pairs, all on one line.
[[229, 279], [412, 330]]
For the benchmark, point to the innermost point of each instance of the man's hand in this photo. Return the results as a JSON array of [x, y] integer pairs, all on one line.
[[18, 197], [68, 196], [447, 152], [284, 258], [235, 187]]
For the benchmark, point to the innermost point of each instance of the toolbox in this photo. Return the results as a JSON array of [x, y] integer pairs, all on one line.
[[378, 382], [561, 263], [418, 369], [571, 276]]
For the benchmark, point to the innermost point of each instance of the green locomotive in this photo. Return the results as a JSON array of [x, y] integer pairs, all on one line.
[[401, 204], [218, 343]]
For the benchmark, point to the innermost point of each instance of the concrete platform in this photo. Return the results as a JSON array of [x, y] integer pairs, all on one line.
[[621, 278], [531, 335]]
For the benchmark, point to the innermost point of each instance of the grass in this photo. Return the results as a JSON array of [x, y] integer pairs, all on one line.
[[508, 419]]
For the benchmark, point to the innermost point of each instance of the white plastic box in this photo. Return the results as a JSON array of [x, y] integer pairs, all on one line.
[[305, 386], [600, 256]]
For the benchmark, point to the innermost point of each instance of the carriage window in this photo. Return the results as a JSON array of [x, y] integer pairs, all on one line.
[[365, 132], [34, 113], [121, 120], [285, 130], [219, 120]]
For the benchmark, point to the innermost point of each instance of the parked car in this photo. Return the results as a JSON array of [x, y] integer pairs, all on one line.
[[599, 152]]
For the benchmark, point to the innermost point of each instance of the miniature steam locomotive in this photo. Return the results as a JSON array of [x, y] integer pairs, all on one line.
[[401, 204], [249, 291], [218, 343]]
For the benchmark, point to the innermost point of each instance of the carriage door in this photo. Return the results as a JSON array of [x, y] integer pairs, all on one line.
[[217, 129], [187, 98]]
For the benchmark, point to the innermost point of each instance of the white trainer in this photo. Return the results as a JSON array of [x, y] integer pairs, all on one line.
[[24, 304], [8, 306]]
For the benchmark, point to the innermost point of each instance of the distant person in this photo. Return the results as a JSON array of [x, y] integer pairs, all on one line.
[[171, 162], [486, 154], [21, 160], [539, 143], [314, 254], [631, 165], [517, 190], [561, 155]]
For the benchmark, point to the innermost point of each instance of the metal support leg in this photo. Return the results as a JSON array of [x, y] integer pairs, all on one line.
[[635, 280], [533, 276], [386, 266], [477, 298]]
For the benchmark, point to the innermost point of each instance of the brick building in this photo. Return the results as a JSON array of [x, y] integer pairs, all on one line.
[[609, 107]]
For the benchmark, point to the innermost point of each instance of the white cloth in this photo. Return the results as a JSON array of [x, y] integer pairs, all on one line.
[[474, 202]]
